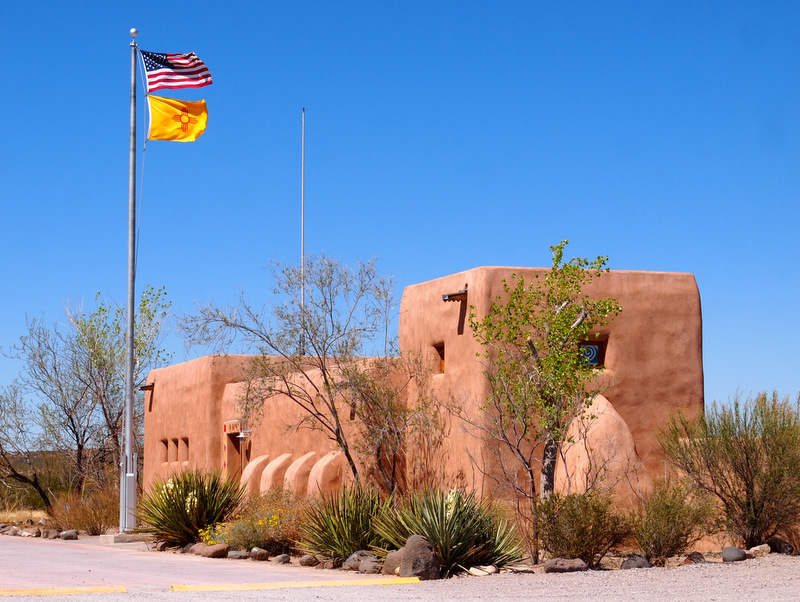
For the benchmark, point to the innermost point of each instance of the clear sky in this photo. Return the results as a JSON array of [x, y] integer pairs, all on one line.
[[440, 136]]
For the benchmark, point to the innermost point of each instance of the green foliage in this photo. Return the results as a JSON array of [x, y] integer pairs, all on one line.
[[747, 456], [336, 526], [94, 513], [674, 518], [581, 525], [539, 379], [271, 521], [463, 530], [176, 510]]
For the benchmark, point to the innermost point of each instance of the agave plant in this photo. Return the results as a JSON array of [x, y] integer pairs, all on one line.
[[174, 511], [463, 530], [336, 526]]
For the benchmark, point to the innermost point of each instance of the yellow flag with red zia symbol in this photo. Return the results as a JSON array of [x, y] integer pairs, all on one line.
[[177, 120]]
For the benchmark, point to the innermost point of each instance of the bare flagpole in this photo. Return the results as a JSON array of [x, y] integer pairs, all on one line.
[[127, 480], [303, 236]]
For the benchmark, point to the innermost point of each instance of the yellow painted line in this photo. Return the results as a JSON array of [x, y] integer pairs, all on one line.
[[54, 591], [243, 587]]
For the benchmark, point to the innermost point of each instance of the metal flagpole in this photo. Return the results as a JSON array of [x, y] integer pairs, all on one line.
[[303, 236], [127, 481]]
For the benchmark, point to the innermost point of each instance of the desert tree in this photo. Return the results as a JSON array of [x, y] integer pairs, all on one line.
[[311, 344], [539, 379]]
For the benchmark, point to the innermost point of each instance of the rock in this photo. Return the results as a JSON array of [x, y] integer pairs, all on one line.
[[779, 546], [198, 548], [635, 561], [187, 549], [308, 560], [419, 559], [29, 521], [392, 562], [482, 571], [370, 566], [69, 534], [694, 558], [259, 554], [162, 546], [353, 562], [565, 565], [733, 554], [282, 559], [333, 563], [50, 534], [219, 550], [238, 554]]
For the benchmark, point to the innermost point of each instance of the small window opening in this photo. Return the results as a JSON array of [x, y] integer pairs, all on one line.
[[594, 352], [439, 347]]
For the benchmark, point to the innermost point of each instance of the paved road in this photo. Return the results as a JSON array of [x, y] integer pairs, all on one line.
[[38, 564]]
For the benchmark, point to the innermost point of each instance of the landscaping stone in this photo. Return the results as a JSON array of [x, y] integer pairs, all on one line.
[[69, 534], [779, 546], [282, 559], [733, 554], [332, 563], [198, 548], [565, 565], [482, 571], [187, 549], [391, 564], [353, 562], [419, 559], [50, 534], [238, 554], [694, 558], [635, 561], [219, 550], [259, 554], [162, 546], [308, 560], [370, 566]]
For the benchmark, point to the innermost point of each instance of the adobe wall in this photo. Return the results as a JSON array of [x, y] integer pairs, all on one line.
[[653, 356]]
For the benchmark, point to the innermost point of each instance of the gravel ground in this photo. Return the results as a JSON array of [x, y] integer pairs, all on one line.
[[774, 577]]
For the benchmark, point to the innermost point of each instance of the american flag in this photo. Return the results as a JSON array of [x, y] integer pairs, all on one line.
[[174, 71]]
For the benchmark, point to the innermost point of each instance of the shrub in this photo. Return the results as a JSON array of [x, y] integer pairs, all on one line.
[[270, 521], [336, 526], [93, 513], [462, 530], [176, 510], [747, 456], [581, 525], [673, 520]]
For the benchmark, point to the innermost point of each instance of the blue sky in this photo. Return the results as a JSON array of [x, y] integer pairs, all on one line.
[[440, 136]]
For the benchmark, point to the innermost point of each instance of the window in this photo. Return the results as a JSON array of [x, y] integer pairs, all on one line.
[[439, 348], [594, 352]]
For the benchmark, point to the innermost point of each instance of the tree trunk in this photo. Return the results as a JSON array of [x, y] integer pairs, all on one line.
[[547, 483]]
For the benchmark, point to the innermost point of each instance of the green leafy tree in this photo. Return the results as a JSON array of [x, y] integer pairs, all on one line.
[[539, 378]]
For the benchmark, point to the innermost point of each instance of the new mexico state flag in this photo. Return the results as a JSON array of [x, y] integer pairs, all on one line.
[[177, 120]]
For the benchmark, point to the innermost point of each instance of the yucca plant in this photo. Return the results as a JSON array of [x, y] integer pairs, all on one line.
[[335, 526], [463, 530], [174, 511]]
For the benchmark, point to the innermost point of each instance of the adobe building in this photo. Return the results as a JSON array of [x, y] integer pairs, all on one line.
[[652, 354]]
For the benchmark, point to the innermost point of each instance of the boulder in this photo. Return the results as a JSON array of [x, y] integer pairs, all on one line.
[[50, 534], [69, 534], [419, 559], [733, 554], [635, 561], [779, 546], [259, 554], [565, 565], [282, 559], [694, 558], [198, 548], [308, 560], [238, 554], [219, 550], [370, 566], [331, 563], [162, 546], [353, 562], [482, 571], [392, 562]]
